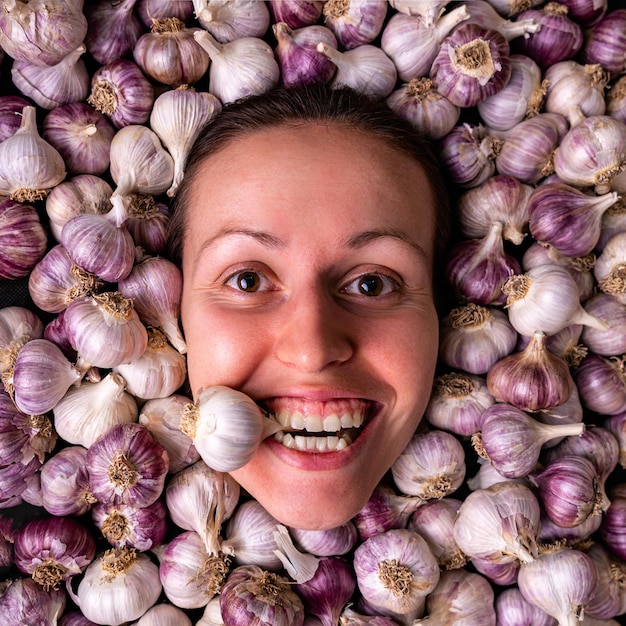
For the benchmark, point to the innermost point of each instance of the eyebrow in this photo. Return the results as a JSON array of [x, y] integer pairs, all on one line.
[[360, 240]]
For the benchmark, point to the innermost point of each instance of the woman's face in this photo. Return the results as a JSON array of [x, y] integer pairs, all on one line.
[[307, 285]]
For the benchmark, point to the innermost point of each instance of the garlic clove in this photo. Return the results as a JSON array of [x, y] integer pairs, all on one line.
[[227, 20]]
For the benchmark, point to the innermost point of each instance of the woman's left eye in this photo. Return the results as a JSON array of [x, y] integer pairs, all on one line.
[[371, 285], [248, 281]]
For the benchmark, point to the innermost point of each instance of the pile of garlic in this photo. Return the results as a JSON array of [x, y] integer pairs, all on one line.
[[509, 503]]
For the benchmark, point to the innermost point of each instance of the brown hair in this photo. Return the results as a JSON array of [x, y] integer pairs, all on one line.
[[314, 103]]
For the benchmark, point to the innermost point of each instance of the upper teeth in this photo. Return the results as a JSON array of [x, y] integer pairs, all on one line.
[[316, 424]]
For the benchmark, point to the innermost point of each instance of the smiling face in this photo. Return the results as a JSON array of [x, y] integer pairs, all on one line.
[[307, 264]]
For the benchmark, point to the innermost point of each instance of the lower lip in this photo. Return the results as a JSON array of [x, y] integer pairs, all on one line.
[[319, 461]]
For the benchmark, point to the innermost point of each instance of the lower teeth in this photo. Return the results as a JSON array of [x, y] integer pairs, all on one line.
[[313, 444]]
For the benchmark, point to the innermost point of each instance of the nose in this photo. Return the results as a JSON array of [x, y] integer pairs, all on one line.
[[314, 333]]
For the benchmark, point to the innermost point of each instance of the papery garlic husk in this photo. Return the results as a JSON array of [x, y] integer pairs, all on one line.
[[457, 402], [527, 149], [616, 100], [239, 68], [612, 528], [65, 483], [177, 118], [296, 13], [601, 383], [18, 325], [499, 523], [605, 42], [158, 373], [500, 198], [23, 240], [616, 425], [413, 45], [570, 412], [434, 522], [120, 90], [11, 114], [420, 104], [84, 193], [485, 15], [522, 97], [86, 412], [471, 65], [592, 153], [50, 87], [385, 509], [465, 595], [545, 298], [191, 577], [24, 600], [128, 526], [41, 32], [53, 550], [511, 440], [149, 10], [611, 341], [488, 475], [31, 167], [474, 337], [249, 537], [105, 329], [15, 481], [127, 466], [113, 29], [155, 285], [575, 91], [431, 466], [100, 243], [212, 615], [366, 69], [169, 54], [55, 281], [226, 427], [139, 163], [610, 267], [227, 20], [82, 136], [396, 570], [355, 23], [478, 269], [164, 615], [560, 582], [297, 55], [533, 379], [329, 542], [427, 10], [512, 608], [118, 586], [567, 219], [249, 596], [201, 499], [468, 154], [161, 416], [147, 223], [614, 218], [608, 600], [41, 377]]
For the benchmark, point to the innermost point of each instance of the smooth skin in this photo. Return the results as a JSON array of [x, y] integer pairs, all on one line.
[[307, 266]]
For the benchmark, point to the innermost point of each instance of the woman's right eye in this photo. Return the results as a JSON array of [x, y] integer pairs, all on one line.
[[247, 281]]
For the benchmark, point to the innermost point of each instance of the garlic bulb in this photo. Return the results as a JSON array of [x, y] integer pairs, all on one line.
[[120, 585], [457, 402], [611, 341], [239, 68], [30, 166], [296, 13], [355, 23], [177, 118], [147, 223], [18, 325], [139, 163], [24, 600], [87, 412], [164, 615], [226, 427], [609, 269], [512, 609], [11, 114], [330, 542], [228, 20]]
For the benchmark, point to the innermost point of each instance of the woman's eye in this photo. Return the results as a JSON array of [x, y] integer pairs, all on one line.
[[246, 281], [371, 285]]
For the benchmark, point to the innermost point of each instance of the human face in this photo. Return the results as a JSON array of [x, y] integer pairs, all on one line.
[[307, 264]]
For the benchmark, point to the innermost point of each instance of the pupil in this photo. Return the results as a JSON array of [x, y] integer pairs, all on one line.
[[371, 286], [248, 281]]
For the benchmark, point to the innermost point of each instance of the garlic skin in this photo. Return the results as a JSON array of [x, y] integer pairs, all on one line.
[[474, 337], [30, 165], [120, 585], [605, 43], [424, 108], [239, 68], [41, 32], [609, 267], [611, 341], [18, 325], [87, 412], [296, 13], [512, 609], [177, 118], [592, 153], [227, 20], [608, 600], [139, 163], [355, 23], [24, 600], [499, 523], [163, 615], [23, 241], [10, 114], [147, 223], [331, 542], [601, 382], [395, 570]]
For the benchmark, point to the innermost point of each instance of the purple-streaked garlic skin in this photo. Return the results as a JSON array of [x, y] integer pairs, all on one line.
[[29, 603], [149, 10], [296, 13], [75, 618], [357, 24], [616, 425], [331, 542], [10, 114], [608, 600], [512, 609], [605, 42], [228, 21], [602, 384], [612, 528]]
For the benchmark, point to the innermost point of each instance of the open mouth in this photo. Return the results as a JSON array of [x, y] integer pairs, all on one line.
[[320, 427]]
